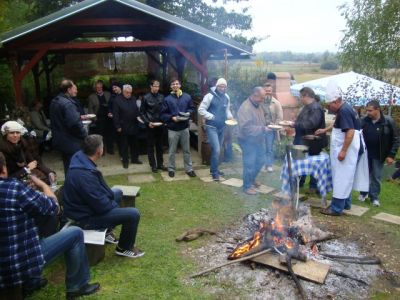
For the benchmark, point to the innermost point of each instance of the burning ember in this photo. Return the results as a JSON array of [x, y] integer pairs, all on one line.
[[277, 233]]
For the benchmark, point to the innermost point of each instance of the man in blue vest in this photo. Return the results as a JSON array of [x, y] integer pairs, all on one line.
[[215, 108]]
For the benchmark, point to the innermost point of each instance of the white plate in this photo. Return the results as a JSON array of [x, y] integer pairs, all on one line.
[[90, 116], [140, 120], [231, 122], [157, 124], [275, 127], [286, 123], [86, 122]]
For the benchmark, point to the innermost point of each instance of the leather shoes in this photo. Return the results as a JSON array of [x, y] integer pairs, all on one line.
[[171, 174], [87, 289], [191, 173], [162, 168], [328, 211]]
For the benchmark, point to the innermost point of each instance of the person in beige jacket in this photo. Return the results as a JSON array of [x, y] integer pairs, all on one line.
[[273, 115], [251, 138]]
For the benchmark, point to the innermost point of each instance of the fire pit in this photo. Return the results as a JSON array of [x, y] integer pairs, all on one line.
[[277, 232]]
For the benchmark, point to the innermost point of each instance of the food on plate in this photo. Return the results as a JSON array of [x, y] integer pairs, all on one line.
[[231, 122], [286, 123]]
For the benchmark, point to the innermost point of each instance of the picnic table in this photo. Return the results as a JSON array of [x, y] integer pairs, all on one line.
[[318, 166]]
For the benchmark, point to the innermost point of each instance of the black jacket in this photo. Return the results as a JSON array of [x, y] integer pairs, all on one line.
[[389, 140], [151, 108], [310, 118], [67, 129], [85, 193], [125, 114]]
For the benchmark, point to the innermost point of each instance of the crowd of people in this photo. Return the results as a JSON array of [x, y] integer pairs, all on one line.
[[31, 214]]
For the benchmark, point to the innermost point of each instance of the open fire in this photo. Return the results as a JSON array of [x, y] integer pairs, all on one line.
[[278, 233]]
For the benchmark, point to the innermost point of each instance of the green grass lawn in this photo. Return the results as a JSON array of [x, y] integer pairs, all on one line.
[[167, 210]]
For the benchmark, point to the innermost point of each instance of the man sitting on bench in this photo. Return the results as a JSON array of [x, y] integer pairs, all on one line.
[[91, 204], [23, 254]]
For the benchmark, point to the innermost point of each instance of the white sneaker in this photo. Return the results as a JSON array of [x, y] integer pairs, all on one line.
[[270, 169], [134, 253], [362, 198], [376, 203]]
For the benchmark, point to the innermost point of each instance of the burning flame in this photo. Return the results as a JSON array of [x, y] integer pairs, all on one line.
[[239, 251]]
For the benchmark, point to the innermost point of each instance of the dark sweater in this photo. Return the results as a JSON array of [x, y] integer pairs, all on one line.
[[172, 106], [125, 113]]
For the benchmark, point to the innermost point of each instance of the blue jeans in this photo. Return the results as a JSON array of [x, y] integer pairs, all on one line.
[[253, 160], [69, 242], [128, 217], [269, 145], [215, 138], [375, 167], [337, 205]]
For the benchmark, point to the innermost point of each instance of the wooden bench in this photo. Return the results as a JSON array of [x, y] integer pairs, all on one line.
[[129, 194]]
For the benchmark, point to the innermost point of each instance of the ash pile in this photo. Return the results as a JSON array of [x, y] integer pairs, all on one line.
[[301, 260]]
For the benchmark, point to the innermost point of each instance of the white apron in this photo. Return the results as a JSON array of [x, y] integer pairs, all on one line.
[[361, 178], [343, 172]]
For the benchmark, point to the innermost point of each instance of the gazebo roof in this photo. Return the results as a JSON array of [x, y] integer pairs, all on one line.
[[119, 18]]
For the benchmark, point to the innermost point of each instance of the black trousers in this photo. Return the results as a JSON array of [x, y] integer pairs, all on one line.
[[105, 128], [155, 140], [129, 146]]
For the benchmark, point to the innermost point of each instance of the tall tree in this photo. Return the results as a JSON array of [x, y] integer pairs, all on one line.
[[372, 41]]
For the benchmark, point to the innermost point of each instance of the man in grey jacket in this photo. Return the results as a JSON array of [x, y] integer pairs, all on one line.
[[215, 108], [98, 105]]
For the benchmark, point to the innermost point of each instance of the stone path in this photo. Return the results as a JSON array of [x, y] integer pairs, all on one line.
[[387, 218]]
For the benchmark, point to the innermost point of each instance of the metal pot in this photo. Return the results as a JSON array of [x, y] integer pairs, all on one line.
[[299, 151]]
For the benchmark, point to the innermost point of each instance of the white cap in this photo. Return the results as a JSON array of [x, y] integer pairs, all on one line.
[[11, 126], [332, 92], [221, 81]]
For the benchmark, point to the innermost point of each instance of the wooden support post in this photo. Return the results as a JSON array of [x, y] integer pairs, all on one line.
[[180, 65], [36, 79], [164, 71], [47, 75], [15, 69]]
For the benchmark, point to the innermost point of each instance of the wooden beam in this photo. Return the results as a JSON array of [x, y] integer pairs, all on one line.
[[106, 22], [189, 57], [14, 66], [32, 62]]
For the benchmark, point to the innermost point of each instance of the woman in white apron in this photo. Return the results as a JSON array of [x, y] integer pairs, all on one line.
[[345, 153]]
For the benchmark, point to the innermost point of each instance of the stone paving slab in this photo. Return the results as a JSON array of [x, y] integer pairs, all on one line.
[[387, 218], [141, 178], [229, 171], [236, 182], [202, 172], [356, 210], [209, 179], [263, 189], [178, 176]]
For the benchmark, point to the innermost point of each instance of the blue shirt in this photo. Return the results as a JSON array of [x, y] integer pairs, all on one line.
[[21, 256], [347, 118]]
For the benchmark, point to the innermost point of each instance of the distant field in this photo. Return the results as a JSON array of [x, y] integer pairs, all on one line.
[[302, 71]]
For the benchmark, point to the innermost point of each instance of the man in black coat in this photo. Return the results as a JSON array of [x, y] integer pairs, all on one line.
[[150, 114], [67, 129], [125, 115], [382, 140]]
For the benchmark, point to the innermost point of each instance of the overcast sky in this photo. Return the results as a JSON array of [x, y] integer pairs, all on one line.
[[298, 26]]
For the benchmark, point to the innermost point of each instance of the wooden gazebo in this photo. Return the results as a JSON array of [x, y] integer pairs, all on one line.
[[166, 39]]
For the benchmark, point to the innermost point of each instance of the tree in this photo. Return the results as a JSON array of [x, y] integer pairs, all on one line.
[[371, 41], [210, 16]]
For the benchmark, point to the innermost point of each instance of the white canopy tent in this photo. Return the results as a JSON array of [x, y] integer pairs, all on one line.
[[357, 89]]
